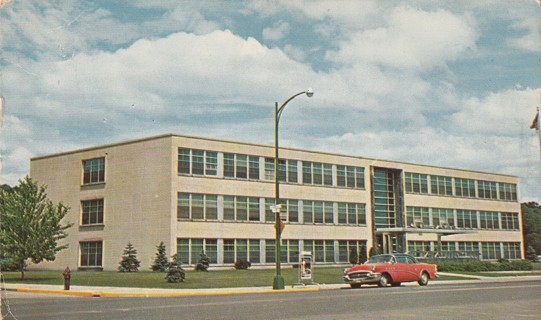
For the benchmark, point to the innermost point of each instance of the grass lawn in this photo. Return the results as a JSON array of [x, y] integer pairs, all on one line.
[[194, 279]]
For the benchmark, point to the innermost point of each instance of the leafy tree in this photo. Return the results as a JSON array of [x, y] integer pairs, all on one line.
[[531, 254], [531, 225], [175, 273], [129, 262], [160, 262], [362, 255], [30, 224]]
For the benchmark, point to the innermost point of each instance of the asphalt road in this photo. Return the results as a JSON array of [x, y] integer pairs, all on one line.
[[514, 300]]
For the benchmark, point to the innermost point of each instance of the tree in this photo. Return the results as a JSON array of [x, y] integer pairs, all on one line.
[[175, 273], [30, 224], [362, 255], [531, 254], [531, 225], [160, 262], [353, 256], [203, 263], [129, 262]]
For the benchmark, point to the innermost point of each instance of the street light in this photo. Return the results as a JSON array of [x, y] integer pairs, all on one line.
[[278, 279]]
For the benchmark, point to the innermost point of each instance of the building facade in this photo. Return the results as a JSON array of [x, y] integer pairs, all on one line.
[[198, 194]]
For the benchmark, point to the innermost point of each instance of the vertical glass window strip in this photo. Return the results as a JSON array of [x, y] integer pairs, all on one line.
[[183, 250], [361, 213], [307, 212], [183, 206], [282, 171], [270, 247], [196, 249], [352, 214], [184, 161], [317, 173], [329, 213], [255, 252], [359, 178], [343, 252], [229, 208], [342, 213], [254, 209], [211, 163], [254, 168], [306, 172], [211, 249], [327, 174], [319, 250], [329, 251], [292, 175], [242, 249], [318, 212], [229, 251], [293, 251], [341, 176], [211, 207], [229, 165], [198, 207], [293, 210], [350, 177], [309, 246], [242, 166], [269, 169], [242, 208], [198, 162], [269, 215]]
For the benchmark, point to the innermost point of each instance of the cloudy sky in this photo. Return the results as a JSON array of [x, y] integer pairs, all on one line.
[[452, 83]]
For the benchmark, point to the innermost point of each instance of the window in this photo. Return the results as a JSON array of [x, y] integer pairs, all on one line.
[[318, 212], [197, 162], [289, 211], [417, 217], [508, 192], [316, 173], [350, 177], [189, 250], [241, 166], [94, 171], [489, 220], [441, 185], [443, 218], [323, 250], [469, 249], [254, 167], [269, 169], [419, 248], [487, 189], [197, 206], [466, 219], [416, 183], [511, 250], [237, 208], [92, 212], [465, 188], [241, 249], [510, 221], [351, 213], [346, 246], [91, 253], [287, 170], [490, 250]]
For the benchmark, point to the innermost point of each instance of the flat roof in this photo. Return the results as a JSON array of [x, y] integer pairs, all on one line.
[[171, 135]]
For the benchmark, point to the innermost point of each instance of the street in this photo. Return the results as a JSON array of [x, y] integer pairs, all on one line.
[[513, 300]]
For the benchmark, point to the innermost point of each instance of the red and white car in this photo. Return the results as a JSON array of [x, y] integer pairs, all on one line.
[[390, 269]]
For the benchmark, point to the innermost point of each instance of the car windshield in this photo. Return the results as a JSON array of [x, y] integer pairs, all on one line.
[[385, 258]]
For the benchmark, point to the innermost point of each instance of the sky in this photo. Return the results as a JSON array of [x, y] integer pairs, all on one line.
[[444, 83]]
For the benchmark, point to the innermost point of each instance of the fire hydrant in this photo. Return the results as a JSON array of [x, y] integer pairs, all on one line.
[[67, 277]]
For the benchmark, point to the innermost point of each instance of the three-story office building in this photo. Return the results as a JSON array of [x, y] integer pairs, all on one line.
[[198, 194]]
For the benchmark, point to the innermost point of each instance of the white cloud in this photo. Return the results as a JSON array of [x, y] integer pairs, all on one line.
[[277, 32]]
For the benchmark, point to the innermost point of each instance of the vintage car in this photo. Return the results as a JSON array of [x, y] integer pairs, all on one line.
[[390, 269]]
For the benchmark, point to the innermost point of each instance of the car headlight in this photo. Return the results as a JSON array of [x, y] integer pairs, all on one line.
[[373, 268]]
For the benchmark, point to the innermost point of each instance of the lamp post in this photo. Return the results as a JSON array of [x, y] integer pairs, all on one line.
[[278, 283]]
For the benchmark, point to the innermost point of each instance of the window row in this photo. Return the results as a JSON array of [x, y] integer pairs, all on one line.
[[421, 217], [240, 166], [467, 188], [466, 249], [193, 206], [258, 251]]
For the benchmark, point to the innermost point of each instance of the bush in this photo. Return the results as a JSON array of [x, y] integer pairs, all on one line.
[[242, 265], [203, 263], [482, 266], [175, 273]]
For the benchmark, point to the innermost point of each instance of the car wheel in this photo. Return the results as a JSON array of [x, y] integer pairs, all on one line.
[[384, 280], [424, 279], [396, 284], [355, 285]]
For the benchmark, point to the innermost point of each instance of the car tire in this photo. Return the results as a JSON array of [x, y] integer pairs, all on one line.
[[384, 280], [355, 285], [423, 281]]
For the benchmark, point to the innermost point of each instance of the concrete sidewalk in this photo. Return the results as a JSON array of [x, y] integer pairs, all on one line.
[[87, 291]]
